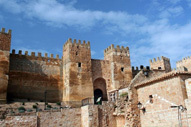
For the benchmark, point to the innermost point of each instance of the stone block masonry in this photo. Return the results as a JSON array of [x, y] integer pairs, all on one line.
[[33, 75], [5, 42]]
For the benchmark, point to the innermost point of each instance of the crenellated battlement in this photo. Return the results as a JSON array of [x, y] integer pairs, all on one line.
[[140, 68], [184, 63], [36, 56], [117, 50], [78, 43], [3, 31], [159, 59], [184, 60], [161, 63]]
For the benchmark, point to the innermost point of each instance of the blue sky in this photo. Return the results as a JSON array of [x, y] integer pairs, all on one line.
[[150, 28]]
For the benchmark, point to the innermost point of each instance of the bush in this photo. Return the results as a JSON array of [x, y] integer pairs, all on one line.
[[54, 108], [23, 103], [21, 108], [49, 106], [124, 94], [34, 106], [58, 103]]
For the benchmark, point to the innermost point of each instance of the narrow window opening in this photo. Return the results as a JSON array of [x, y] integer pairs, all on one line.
[[79, 64], [159, 68], [122, 69], [77, 47], [151, 98], [76, 53]]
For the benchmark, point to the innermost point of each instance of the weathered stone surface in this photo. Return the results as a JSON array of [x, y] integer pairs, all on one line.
[[5, 43]]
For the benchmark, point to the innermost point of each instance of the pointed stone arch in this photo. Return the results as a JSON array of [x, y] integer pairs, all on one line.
[[100, 90]]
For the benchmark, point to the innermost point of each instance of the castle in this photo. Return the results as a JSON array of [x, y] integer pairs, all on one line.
[[141, 97]]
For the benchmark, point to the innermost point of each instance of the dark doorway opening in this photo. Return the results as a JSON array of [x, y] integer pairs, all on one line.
[[97, 94]]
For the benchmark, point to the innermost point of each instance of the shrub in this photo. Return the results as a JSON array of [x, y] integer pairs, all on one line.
[[21, 108], [58, 103], [34, 106], [23, 103], [49, 106], [124, 94]]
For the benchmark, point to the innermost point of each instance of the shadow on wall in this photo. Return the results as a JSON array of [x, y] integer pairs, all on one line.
[[31, 76], [100, 89]]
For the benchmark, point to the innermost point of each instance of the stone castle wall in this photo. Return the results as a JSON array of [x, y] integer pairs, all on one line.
[[121, 73], [5, 42], [72, 78], [86, 116], [77, 71], [30, 76], [166, 93], [185, 64], [162, 63]]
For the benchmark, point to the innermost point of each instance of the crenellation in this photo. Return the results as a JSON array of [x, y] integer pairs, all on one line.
[[34, 57], [117, 50], [78, 80], [32, 54], [88, 43], [161, 63], [13, 51], [46, 55], [77, 44], [184, 63], [84, 42], [74, 41], [26, 53], [51, 56], [158, 59], [39, 54], [3, 31], [20, 52], [135, 68], [57, 56]]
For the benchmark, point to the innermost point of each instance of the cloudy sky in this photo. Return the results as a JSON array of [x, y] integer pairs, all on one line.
[[150, 28]]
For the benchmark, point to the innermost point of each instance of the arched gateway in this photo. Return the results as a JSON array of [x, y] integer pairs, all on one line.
[[100, 89]]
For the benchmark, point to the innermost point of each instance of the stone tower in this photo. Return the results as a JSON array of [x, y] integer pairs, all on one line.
[[5, 43], [162, 63], [184, 64], [120, 67], [77, 75]]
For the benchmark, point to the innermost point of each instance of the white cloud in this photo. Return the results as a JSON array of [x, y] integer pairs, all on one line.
[[174, 11], [53, 12], [159, 36], [164, 39]]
